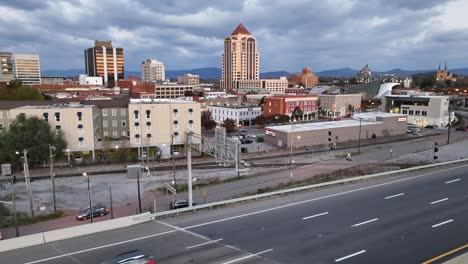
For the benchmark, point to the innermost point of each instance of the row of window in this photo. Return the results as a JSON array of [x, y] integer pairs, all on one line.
[[148, 125], [57, 116], [414, 112], [175, 113], [138, 138], [105, 123], [116, 133], [123, 112], [8, 115]]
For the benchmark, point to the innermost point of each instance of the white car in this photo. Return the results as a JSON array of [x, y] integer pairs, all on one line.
[[235, 137], [250, 135]]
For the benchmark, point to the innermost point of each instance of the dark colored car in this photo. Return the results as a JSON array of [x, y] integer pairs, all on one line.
[[98, 210], [131, 257], [429, 126], [462, 129], [246, 141], [176, 204]]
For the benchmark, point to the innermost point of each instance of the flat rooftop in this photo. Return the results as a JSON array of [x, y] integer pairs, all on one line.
[[300, 127], [56, 106], [161, 101]]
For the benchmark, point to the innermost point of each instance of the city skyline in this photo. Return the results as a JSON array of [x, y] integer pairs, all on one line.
[[187, 35]]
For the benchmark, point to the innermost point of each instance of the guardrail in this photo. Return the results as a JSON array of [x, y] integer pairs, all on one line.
[[291, 190]]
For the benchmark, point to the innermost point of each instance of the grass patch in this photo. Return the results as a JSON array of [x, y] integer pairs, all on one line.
[[24, 219]]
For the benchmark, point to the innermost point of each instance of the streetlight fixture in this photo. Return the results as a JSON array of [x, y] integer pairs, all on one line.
[[292, 140], [89, 196]]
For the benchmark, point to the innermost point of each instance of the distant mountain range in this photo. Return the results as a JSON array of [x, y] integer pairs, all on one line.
[[215, 73]]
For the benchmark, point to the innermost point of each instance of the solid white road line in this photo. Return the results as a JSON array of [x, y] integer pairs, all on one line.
[[447, 182], [443, 223], [365, 222], [350, 256], [321, 198], [101, 247], [312, 216], [249, 256], [438, 201], [206, 243], [393, 196]]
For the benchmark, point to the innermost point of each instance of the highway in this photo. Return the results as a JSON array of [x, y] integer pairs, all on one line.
[[408, 218]]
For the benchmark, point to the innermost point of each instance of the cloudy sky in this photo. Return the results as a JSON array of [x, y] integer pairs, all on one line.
[[186, 34]]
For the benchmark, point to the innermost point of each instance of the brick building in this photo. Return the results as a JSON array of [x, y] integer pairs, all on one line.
[[307, 78], [286, 104]]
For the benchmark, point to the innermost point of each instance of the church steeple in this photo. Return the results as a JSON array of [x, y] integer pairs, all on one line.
[[439, 66], [445, 66]]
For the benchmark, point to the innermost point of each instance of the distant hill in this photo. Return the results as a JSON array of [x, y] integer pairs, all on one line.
[[215, 73]]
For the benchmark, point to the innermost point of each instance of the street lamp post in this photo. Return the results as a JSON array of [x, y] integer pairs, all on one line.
[[291, 145], [89, 196], [138, 186], [52, 174], [359, 138]]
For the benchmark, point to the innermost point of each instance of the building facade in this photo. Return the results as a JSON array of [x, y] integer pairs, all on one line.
[[53, 80], [365, 75], [168, 91], [339, 105], [274, 86], [163, 123], [153, 71], [324, 135], [79, 123], [27, 68], [190, 79], [113, 118], [242, 115], [88, 80], [6, 67], [307, 78], [104, 61], [240, 58], [287, 104], [444, 75], [422, 110]]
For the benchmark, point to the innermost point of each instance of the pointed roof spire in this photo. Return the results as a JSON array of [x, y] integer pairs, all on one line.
[[439, 66], [445, 65], [240, 29]]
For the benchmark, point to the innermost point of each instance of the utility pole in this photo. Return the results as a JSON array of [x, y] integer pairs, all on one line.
[[15, 216], [28, 182], [291, 146], [138, 186], [449, 126], [89, 196], [111, 204], [189, 168], [359, 140], [173, 163], [52, 174]]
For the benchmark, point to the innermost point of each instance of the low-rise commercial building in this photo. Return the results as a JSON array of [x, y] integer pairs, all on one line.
[[274, 86], [90, 80], [371, 125], [287, 104], [339, 105], [27, 68], [307, 78], [163, 123], [242, 115], [6, 67], [59, 80], [421, 109], [190, 79], [168, 91], [153, 71]]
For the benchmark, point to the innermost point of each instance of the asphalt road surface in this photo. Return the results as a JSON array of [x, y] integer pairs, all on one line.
[[403, 219]]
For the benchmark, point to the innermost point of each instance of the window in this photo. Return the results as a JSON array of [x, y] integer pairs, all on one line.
[[148, 113], [424, 113], [115, 134], [124, 123], [114, 112], [114, 123], [148, 135], [123, 112], [106, 134], [410, 112], [124, 133], [80, 116], [8, 114], [1, 115], [104, 112], [405, 112], [57, 116], [104, 123], [81, 140], [136, 114], [137, 138], [1, 126], [176, 124], [190, 124], [175, 113], [46, 117], [190, 112], [176, 136], [418, 112]]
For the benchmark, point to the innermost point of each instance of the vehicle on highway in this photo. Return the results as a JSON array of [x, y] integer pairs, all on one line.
[[251, 135], [98, 210], [462, 129], [131, 257], [176, 204]]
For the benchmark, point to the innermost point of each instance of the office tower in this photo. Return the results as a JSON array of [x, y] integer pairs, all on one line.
[[104, 61], [6, 67], [27, 68], [152, 70], [240, 58]]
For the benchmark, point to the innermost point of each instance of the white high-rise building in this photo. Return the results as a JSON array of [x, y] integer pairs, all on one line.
[[152, 70], [27, 68]]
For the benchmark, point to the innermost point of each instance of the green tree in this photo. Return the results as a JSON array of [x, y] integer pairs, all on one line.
[[261, 120], [34, 135], [262, 101], [230, 125], [15, 90], [207, 121], [297, 113]]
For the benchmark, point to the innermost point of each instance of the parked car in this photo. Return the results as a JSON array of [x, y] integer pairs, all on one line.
[[251, 135], [176, 204], [429, 126], [234, 137], [131, 257], [78, 159], [246, 141], [98, 210]]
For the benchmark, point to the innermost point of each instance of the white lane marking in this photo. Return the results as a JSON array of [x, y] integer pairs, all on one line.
[[393, 196], [438, 201], [312, 216], [320, 198], [249, 256], [100, 247], [447, 182], [350, 256], [206, 243], [365, 222], [443, 223]]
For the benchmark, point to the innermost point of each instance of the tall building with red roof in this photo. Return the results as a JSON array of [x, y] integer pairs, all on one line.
[[240, 58]]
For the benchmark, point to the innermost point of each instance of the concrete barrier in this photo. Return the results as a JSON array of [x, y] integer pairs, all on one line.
[[61, 234], [21, 242], [93, 228]]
